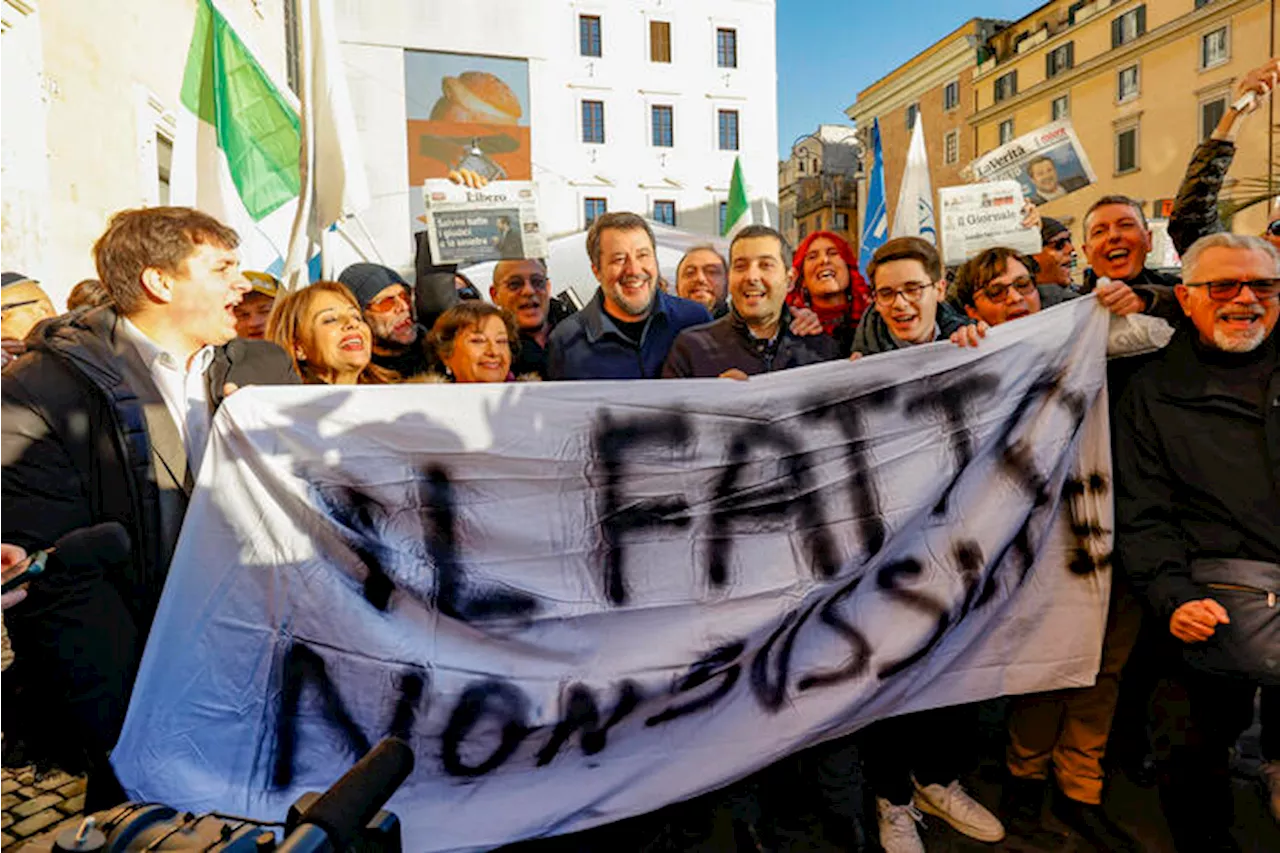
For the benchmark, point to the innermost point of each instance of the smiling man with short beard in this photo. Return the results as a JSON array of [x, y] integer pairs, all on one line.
[[1197, 472]]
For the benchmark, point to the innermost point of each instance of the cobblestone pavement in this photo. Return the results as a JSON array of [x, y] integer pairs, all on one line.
[[36, 804]]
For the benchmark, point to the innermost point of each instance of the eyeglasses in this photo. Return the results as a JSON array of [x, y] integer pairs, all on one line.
[[515, 284], [998, 292], [1059, 244], [22, 304], [886, 296], [1274, 229], [1265, 289], [387, 303]]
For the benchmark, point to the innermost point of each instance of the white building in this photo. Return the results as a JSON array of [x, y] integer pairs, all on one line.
[[682, 86], [91, 88]]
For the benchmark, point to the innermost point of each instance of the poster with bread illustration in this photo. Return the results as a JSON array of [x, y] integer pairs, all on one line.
[[466, 112]]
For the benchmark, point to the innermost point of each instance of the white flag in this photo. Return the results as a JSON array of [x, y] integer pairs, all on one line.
[[334, 183], [914, 214]]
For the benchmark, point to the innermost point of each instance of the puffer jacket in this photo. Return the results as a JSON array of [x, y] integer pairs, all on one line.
[[873, 334], [1195, 210]]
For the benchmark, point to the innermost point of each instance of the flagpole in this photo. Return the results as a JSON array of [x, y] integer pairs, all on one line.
[[300, 244]]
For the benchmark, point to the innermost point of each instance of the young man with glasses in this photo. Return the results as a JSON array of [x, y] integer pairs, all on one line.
[[907, 288], [1197, 477]]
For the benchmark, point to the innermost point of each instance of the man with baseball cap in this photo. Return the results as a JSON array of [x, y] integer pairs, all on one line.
[[23, 303], [1057, 257], [255, 307], [387, 302]]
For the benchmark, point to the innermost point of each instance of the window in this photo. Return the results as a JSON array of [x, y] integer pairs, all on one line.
[[1127, 84], [659, 41], [726, 48], [1214, 48], [592, 208], [1129, 26], [164, 165], [1059, 59], [728, 130], [1200, 3], [1006, 86], [589, 35], [951, 147], [1127, 150], [842, 222], [724, 216], [1006, 131], [1211, 112], [664, 212], [913, 110], [593, 122], [662, 127], [802, 233], [1061, 107], [801, 167], [951, 95]]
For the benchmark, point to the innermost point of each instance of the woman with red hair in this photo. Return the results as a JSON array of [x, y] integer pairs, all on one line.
[[827, 281]]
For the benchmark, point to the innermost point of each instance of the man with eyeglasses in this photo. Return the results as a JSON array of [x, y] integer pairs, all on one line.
[[23, 304], [522, 287], [1197, 477], [387, 302], [907, 288]]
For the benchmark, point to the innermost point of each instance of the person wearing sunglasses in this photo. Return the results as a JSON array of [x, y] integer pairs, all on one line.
[[1197, 498], [1057, 258], [23, 304], [386, 301], [1195, 210]]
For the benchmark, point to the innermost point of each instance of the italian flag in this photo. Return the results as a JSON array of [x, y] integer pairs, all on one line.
[[738, 210], [236, 150]]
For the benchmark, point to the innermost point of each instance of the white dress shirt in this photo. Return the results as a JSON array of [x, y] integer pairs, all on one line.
[[182, 387]]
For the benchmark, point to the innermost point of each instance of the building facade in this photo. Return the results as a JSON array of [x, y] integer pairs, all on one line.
[[1144, 81], [937, 85], [637, 105], [817, 185], [90, 95]]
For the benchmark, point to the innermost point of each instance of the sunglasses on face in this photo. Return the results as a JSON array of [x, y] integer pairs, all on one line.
[[998, 292], [515, 285], [1264, 289], [1060, 244], [886, 296], [388, 303]]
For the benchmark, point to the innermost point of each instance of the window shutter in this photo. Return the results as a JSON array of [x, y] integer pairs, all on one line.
[[1013, 82], [1048, 64], [1142, 19], [1115, 32], [1071, 54]]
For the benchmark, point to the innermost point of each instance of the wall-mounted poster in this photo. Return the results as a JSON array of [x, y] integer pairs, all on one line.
[[465, 112]]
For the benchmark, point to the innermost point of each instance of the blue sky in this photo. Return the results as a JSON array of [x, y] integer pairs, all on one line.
[[830, 49]]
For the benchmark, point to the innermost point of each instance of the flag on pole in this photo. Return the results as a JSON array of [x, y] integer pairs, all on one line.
[[738, 211], [914, 215], [333, 180], [875, 225], [237, 142]]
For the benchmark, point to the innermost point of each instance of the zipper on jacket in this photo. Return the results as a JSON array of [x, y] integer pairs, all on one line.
[[1236, 587]]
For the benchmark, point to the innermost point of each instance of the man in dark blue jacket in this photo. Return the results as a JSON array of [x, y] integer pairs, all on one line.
[[626, 331]]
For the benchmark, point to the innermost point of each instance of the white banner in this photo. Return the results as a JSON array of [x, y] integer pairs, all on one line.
[[581, 601]]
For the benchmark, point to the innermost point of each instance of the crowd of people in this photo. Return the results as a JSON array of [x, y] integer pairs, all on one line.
[[106, 411]]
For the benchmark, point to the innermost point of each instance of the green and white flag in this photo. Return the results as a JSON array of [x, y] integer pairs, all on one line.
[[237, 144], [738, 209]]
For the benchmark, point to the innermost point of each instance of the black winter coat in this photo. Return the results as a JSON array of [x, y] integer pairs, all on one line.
[[873, 334], [712, 348], [1195, 210]]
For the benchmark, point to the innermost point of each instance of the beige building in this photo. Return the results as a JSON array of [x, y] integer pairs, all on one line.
[[90, 94], [937, 84], [817, 185], [1143, 82]]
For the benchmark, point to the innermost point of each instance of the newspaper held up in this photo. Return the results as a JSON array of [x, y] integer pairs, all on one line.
[[980, 216], [1049, 162], [496, 222]]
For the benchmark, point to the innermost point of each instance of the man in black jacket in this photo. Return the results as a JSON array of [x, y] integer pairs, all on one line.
[[1197, 471], [106, 418], [755, 336], [1117, 242]]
